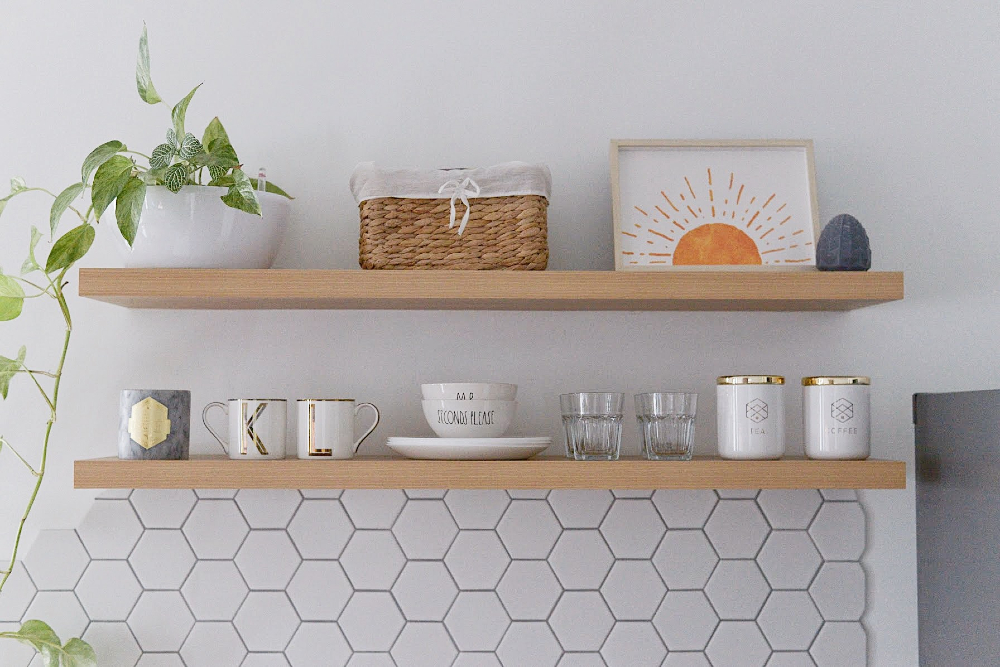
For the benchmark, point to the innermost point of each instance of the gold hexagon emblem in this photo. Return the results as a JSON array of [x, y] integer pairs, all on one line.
[[149, 425]]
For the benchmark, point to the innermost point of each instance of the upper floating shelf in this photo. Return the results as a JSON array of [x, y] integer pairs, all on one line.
[[369, 472], [490, 290]]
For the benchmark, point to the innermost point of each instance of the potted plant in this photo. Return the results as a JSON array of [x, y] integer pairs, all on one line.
[[141, 193], [189, 203]]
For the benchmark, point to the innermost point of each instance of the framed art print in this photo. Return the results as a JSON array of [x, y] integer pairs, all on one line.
[[712, 204]]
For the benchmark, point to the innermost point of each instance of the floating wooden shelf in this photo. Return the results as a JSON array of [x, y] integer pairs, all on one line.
[[491, 290], [538, 473]]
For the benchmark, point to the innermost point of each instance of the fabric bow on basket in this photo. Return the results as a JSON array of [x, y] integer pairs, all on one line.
[[460, 190]]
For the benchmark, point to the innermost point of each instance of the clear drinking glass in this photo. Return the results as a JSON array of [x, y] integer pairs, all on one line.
[[593, 422], [666, 422]]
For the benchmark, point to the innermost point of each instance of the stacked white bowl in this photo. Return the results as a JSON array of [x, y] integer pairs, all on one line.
[[469, 409]]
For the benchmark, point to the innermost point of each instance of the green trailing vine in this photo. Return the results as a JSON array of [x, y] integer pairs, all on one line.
[[109, 174]]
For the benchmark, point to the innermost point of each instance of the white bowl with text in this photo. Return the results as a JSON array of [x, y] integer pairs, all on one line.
[[469, 419]]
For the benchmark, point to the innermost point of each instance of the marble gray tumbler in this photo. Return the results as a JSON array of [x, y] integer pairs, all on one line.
[[155, 424]]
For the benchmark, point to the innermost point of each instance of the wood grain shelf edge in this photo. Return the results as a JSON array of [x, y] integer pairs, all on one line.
[[538, 473], [490, 290]]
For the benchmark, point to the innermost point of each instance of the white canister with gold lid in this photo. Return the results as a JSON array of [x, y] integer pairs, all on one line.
[[836, 412], [751, 416]]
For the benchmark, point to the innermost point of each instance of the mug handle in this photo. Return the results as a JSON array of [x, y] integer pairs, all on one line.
[[204, 420], [367, 433]]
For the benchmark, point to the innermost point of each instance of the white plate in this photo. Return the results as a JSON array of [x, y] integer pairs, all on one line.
[[469, 449]]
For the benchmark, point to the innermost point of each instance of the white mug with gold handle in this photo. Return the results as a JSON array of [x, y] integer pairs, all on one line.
[[326, 427], [256, 427]]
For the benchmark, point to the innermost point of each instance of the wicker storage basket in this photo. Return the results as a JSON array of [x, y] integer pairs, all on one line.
[[410, 219]]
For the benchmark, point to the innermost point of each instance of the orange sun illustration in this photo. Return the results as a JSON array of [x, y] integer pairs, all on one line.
[[721, 225], [716, 243]]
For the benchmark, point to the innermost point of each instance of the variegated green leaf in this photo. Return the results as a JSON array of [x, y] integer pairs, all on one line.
[[17, 187], [70, 247], [215, 132], [241, 194], [61, 203], [78, 653], [109, 180], [99, 156], [39, 636], [11, 298], [216, 172], [271, 187], [161, 156], [190, 147], [128, 207], [221, 154], [179, 112], [153, 176], [9, 368], [30, 263], [172, 137], [175, 177], [223, 181], [143, 80]]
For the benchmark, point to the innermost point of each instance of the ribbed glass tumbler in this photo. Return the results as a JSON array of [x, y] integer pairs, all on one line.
[[666, 424], [593, 422]]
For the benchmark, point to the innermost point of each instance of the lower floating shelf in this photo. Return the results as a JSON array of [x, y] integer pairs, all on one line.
[[218, 472]]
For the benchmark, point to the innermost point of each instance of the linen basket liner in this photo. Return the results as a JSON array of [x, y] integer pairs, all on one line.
[[503, 180]]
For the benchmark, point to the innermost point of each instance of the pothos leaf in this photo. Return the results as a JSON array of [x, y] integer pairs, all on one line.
[[143, 80], [190, 147], [9, 368], [78, 653], [109, 180], [11, 298], [70, 247], [220, 154], [61, 203], [31, 264], [175, 177], [17, 186], [180, 111], [153, 176], [128, 207], [99, 156], [161, 156], [214, 132], [270, 187], [41, 637], [241, 195]]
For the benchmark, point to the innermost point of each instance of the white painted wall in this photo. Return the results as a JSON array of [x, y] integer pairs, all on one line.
[[899, 97]]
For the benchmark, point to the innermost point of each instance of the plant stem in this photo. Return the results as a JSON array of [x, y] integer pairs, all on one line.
[[40, 474], [136, 153], [18, 455]]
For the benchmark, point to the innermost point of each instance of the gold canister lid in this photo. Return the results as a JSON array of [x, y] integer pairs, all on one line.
[[824, 380], [750, 379]]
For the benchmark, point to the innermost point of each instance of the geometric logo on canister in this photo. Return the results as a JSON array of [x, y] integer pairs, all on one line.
[[757, 410], [149, 423], [842, 410]]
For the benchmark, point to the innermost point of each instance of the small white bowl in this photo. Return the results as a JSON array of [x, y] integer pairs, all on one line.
[[469, 391], [469, 419]]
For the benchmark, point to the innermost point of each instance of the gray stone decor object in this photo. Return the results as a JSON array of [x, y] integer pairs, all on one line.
[[843, 246], [155, 424]]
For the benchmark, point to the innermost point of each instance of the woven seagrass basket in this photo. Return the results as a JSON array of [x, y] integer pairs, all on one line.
[[502, 233]]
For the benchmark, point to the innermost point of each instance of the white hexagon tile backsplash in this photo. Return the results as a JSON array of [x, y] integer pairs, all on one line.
[[453, 579]]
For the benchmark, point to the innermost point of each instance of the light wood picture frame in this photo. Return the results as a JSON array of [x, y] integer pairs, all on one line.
[[714, 204]]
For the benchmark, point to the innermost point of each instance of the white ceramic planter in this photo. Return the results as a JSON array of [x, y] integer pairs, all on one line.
[[194, 229]]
